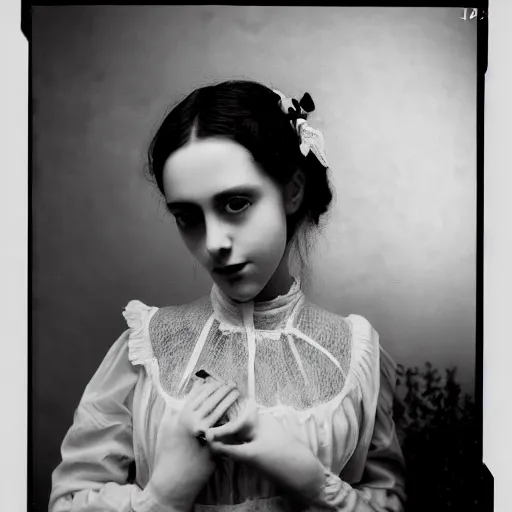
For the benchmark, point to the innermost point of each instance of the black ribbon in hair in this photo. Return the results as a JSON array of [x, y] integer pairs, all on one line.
[[306, 103]]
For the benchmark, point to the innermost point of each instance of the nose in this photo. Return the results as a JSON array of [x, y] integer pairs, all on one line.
[[218, 238]]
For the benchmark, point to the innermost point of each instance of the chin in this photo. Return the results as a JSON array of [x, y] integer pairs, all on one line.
[[240, 291]]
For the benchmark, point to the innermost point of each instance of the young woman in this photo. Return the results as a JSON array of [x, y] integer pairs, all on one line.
[[251, 398]]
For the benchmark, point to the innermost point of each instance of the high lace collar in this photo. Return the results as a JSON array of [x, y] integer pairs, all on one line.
[[266, 315]]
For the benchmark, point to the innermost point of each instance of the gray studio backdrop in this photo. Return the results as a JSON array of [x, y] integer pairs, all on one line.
[[395, 90]]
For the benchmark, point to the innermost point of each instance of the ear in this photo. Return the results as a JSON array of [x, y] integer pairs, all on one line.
[[294, 192]]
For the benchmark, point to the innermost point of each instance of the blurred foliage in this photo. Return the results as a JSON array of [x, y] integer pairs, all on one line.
[[440, 433]]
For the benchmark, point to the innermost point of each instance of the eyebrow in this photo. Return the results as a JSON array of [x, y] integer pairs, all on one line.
[[243, 190]]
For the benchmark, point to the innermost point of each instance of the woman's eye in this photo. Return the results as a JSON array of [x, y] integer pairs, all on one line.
[[237, 205], [187, 220]]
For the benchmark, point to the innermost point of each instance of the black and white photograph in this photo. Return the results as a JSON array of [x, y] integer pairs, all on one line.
[[254, 259]]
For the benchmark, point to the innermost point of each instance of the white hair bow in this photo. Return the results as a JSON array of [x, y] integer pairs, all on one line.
[[311, 139]]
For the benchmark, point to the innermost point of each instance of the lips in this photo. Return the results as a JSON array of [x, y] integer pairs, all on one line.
[[229, 270]]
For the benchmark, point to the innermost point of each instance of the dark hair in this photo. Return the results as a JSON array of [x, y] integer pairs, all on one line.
[[248, 113]]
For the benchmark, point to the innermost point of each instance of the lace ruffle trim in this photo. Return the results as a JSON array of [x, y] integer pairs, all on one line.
[[137, 316]]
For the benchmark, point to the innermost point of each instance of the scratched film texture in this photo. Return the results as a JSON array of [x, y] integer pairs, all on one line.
[[395, 90]]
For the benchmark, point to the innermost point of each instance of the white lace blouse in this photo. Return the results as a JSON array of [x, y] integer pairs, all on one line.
[[323, 376]]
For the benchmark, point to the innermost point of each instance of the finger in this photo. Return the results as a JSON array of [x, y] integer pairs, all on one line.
[[229, 429], [233, 451], [223, 406], [206, 390], [196, 386], [211, 402], [198, 383]]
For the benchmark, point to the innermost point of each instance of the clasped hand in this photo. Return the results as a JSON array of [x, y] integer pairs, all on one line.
[[183, 465], [261, 440]]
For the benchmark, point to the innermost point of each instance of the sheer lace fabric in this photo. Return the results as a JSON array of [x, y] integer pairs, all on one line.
[[301, 353], [314, 371]]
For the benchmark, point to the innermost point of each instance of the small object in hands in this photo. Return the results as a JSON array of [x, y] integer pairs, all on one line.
[[202, 374], [201, 437]]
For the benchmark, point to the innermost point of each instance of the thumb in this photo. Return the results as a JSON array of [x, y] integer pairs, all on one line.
[[226, 432], [242, 428], [238, 452]]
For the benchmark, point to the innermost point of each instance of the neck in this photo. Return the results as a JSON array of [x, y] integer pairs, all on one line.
[[279, 283]]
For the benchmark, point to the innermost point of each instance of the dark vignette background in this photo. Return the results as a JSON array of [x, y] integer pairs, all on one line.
[[395, 91]]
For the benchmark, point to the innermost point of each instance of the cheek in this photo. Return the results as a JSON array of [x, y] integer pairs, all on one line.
[[266, 234]]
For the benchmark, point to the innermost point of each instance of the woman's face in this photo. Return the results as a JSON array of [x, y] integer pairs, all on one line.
[[230, 214]]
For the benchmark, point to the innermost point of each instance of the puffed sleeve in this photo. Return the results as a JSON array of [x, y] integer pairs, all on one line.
[[382, 486], [97, 451], [383, 482]]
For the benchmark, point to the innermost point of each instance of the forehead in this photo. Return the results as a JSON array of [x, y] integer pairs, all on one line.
[[206, 167]]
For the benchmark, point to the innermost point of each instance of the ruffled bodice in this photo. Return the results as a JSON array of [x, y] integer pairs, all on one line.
[[317, 373], [313, 370]]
